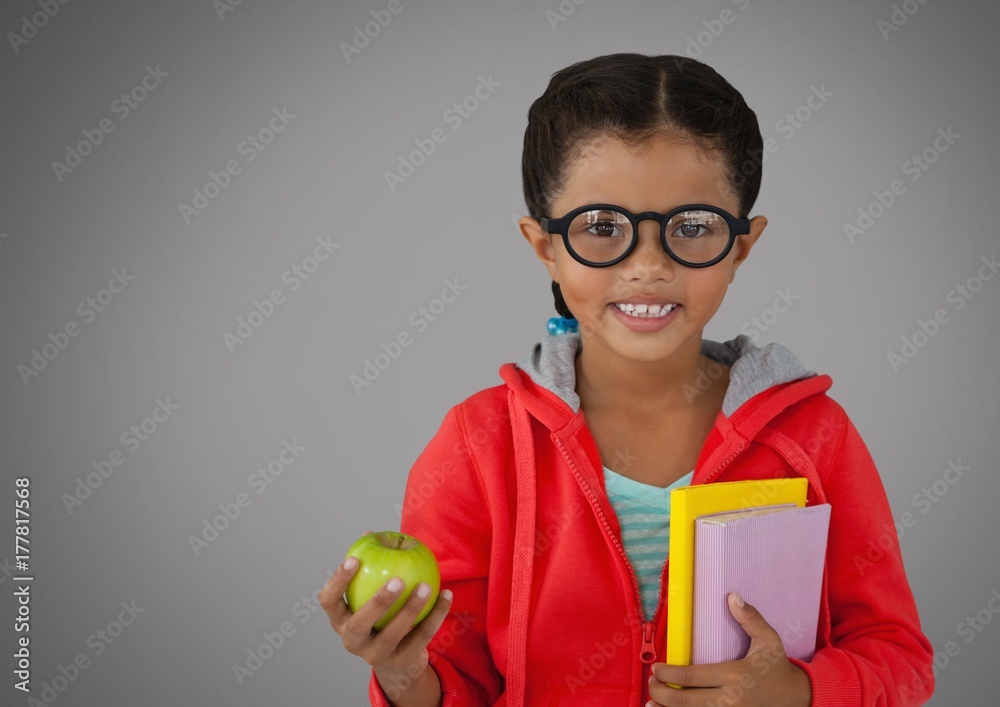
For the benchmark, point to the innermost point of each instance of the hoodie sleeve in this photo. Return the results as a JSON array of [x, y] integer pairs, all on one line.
[[878, 655], [445, 507]]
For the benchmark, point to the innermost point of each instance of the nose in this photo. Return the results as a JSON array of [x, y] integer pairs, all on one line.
[[649, 260]]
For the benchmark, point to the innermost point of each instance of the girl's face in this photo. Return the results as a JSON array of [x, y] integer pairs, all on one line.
[[663, 174]]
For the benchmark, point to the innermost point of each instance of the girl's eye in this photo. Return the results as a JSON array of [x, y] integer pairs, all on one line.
[[690, 229], [605, 229], [696, 225]]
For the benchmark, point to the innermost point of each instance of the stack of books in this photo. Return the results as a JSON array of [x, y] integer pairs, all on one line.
[[756, 538]]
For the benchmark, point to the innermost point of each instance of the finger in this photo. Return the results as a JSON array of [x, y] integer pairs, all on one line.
[[421, 635], [331, 596], [704, 675], [671, 696], [400, 624], [763, 635], [358, 627]]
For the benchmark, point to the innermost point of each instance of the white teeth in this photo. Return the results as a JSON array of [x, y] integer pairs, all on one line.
[[646, 311]]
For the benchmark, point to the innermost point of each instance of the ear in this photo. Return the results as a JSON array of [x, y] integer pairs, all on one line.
[[745, 242], [542, 243]]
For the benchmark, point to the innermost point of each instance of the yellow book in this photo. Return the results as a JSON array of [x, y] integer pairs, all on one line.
[[686, 504]]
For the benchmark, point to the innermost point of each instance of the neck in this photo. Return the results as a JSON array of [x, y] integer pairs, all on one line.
[[604, 382]]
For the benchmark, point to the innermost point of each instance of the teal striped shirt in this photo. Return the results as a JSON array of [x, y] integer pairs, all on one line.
[[643, 512]]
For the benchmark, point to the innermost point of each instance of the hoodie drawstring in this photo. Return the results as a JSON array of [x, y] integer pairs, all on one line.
[[524, 551]]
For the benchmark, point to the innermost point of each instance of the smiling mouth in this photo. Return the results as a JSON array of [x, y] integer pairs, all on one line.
[[646, 311]]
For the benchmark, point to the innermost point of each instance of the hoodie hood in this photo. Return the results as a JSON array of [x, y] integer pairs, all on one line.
[[551, 364], [543, 386]]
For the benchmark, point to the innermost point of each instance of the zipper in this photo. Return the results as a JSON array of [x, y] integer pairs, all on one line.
[[724, 463], [647, 651], [647, 654]]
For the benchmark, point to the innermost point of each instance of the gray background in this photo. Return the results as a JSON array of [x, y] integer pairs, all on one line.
[[323, 176]]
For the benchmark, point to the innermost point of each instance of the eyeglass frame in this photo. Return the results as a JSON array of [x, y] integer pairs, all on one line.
[[560, 226]]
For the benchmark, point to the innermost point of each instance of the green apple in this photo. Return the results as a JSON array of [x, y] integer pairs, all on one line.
[[387, 554]]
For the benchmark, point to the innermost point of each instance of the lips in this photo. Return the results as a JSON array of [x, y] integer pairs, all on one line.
[[647, 302], [653, 319]]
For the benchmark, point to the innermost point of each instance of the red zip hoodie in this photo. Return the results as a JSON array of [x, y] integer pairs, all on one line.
[[510, 496]]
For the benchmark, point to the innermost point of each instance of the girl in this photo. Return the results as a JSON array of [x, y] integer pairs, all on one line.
[[546, 498]]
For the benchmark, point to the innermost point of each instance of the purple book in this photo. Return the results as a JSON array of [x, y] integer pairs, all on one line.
[[773, 557]]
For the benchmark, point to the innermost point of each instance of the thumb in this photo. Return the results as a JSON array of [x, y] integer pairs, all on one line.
[[759, 630]]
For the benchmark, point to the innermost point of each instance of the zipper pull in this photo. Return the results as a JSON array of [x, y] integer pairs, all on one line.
[[648, 652]]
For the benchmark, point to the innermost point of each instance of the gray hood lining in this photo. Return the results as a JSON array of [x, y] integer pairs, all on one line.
[[551, 364]]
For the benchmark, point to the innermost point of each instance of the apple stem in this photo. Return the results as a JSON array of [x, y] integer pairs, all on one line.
[[399, 543]]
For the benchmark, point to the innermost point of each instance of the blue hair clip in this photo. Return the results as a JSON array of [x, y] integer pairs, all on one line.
[[562, 325]]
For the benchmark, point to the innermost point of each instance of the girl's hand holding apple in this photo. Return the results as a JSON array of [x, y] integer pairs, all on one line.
[[398, 650]]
